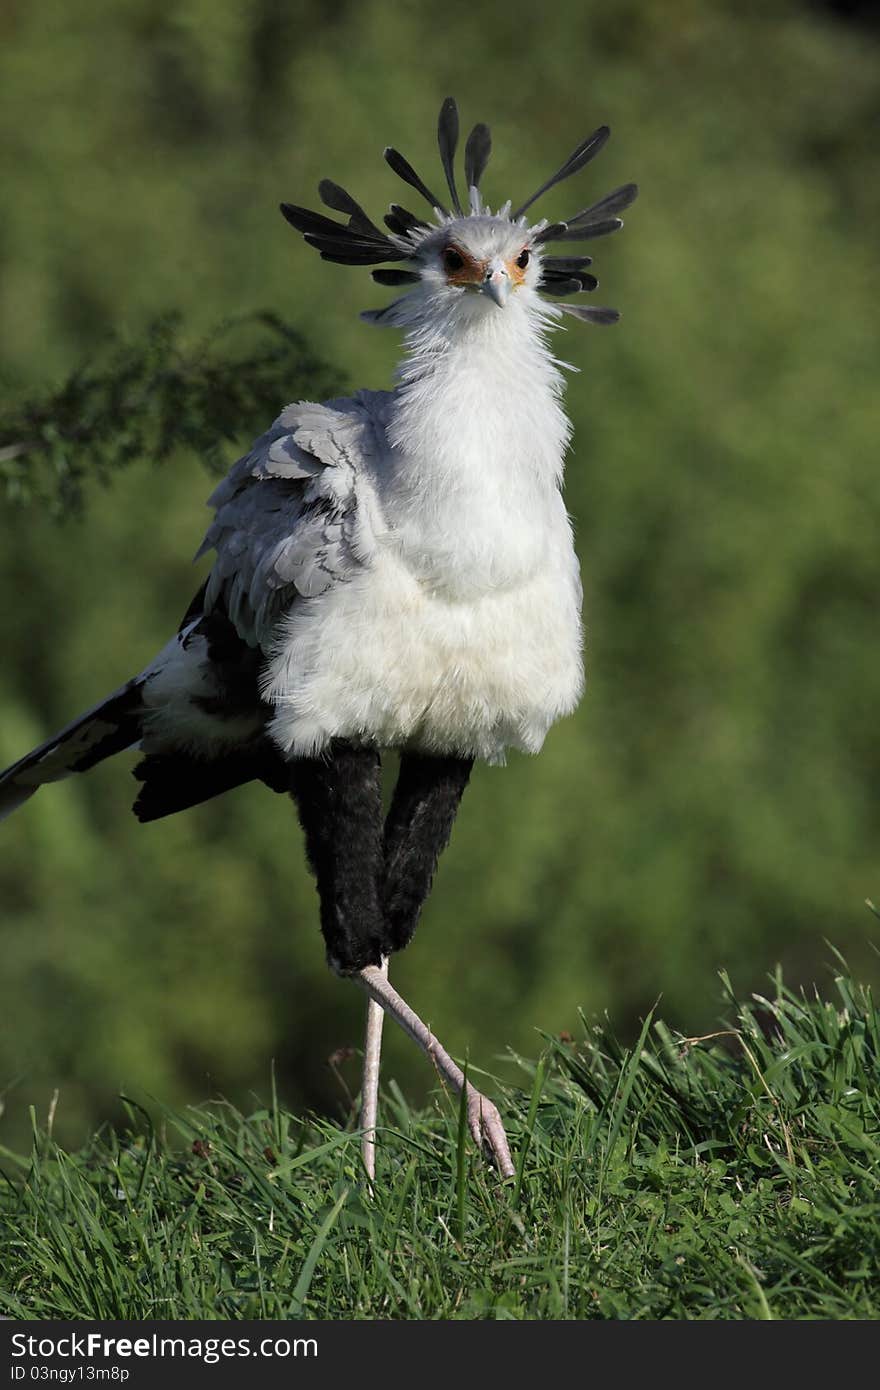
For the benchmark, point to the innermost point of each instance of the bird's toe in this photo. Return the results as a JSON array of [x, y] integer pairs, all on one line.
[[484, 1121]]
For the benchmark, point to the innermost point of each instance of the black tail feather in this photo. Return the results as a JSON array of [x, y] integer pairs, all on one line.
[[108, 728], [176, 781]]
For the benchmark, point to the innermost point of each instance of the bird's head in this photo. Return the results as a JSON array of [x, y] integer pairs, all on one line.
[[467, 262], [479, 255]]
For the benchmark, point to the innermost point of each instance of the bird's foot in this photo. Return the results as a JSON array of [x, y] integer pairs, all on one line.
[[484, 1122]]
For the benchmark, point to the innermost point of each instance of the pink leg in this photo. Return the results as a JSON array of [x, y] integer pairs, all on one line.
[[483, 1117], [370, 1087]]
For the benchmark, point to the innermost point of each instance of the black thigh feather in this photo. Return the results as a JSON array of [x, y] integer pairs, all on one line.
[[339, 801], [417, 830]]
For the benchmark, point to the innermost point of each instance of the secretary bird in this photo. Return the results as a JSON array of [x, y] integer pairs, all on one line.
[[394, 571]]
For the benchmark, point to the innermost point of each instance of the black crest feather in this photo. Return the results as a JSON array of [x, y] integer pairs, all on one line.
[[587, 231], [587, 314], [314, 222], [586, 150], [565, 263], [571, 282], [396, 277], [476, 155], [599, 220], [358, 241], [404, 170], [551, 233], [400, 221], [447, 139], [332, 196], [609, 206]]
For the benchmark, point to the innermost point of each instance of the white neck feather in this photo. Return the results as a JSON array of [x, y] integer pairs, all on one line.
[[477, 437], [479, 388]]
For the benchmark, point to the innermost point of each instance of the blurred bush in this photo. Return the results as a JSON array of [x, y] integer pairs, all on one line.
[[715, 800]]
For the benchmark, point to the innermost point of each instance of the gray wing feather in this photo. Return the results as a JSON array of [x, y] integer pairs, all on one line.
[[289, 521]]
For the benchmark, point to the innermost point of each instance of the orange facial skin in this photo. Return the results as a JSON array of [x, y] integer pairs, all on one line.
[[516, 272], [472, 272]]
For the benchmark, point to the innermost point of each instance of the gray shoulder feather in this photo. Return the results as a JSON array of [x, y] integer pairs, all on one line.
[[289, 521]]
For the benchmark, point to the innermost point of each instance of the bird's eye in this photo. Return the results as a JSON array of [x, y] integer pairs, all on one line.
[[523, 258], [451, 259]]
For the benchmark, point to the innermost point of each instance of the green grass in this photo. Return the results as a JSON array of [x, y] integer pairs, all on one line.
[[732, 1177]]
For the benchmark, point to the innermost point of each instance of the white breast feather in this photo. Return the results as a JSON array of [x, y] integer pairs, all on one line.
[[454, 625]]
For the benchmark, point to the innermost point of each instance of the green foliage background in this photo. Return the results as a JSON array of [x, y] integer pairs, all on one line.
[[715, 800]]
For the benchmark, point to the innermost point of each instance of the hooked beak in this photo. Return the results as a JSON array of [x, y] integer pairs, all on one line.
[[497, 283]]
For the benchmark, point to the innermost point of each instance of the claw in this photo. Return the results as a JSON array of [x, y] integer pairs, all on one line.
[[484, 1120], [487, 1129]]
